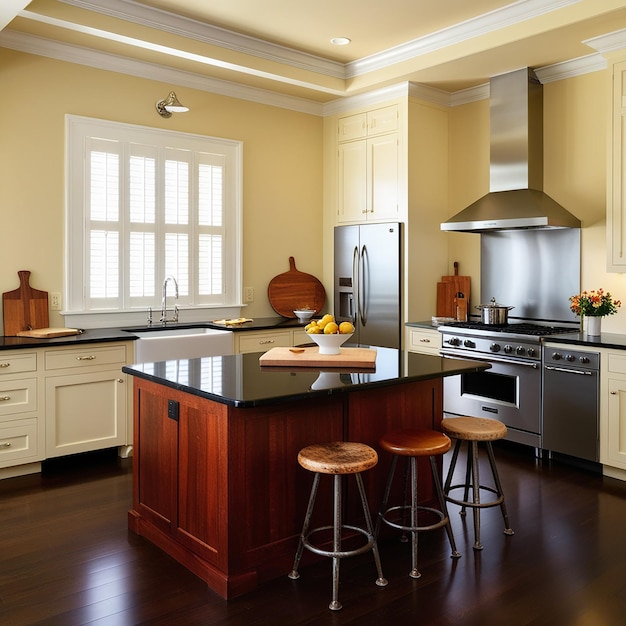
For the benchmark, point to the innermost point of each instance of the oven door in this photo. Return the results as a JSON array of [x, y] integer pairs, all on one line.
[[510, 392]]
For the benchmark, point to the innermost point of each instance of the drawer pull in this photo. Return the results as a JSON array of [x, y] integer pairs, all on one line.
[[91, 357], [5, 444], [5, 365], [264, 341], [4, 398], [424, 340]]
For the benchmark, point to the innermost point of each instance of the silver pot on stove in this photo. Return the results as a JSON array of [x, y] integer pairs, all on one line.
[[494, 313]]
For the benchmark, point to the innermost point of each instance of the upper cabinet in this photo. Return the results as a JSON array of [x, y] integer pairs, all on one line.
[[616, 201], [368, 166]]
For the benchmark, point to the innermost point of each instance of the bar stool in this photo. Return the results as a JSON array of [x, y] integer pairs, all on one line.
[[338, 458], [413, 444], [475, 430]]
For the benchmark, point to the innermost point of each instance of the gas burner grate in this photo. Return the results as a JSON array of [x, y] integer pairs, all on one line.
[[521, 328]]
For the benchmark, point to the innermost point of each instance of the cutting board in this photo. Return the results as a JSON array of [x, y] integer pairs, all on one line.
[[310, 357], [47, 333], [447, 290], [24, 308], [294, 290]]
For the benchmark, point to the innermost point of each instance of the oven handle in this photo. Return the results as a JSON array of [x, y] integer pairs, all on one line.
[[568, 370], [491, 360]]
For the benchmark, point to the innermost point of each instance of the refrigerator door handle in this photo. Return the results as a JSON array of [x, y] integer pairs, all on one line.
[[363, 275], [355, 284]]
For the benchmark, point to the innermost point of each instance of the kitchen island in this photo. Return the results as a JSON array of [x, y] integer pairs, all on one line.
[[216, 482]]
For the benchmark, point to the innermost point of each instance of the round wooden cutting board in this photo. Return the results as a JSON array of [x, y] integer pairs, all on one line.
[[294, 290]]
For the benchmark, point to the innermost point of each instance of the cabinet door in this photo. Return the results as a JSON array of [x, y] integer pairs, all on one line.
[[352, 127], [616, 210], [352, 190], [85, 411], [615, 452], [382, 167]]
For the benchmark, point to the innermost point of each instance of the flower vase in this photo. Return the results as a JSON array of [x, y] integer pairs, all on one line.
[[594, 325]]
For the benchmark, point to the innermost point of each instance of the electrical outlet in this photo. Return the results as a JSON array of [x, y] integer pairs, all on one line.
[[55, 301], [248, 294]]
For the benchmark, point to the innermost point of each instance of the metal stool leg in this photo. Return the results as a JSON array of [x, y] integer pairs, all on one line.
[[496, 477], [444, 507], [414, 573], [294, 575], [476, 494], [335, 605]]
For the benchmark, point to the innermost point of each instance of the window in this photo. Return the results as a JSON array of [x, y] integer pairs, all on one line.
[[144, 204]]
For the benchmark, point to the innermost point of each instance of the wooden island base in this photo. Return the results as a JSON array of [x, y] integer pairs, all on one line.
[[219, 489]]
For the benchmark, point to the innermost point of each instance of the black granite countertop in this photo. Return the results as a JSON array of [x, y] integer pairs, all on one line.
[[240, 381], [605, 340]]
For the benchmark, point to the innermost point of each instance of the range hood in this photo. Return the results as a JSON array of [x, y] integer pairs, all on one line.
[[516, 199]]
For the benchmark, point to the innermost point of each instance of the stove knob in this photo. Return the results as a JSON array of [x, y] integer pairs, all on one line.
[[570, 357], [454, 341], [531, 352], [584, 359], [556, 356], [508, 349], [494, 347], [468, 343], [520, 350]]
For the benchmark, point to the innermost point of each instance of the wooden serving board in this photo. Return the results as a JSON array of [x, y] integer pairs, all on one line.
[[295, 290], [24, 308], [310, 357], [447, 290], [47, 333]]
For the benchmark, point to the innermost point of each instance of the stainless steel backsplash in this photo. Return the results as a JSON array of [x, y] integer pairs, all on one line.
[[535, 271]]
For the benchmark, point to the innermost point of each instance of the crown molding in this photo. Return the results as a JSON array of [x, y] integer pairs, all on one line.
[[611, 42]]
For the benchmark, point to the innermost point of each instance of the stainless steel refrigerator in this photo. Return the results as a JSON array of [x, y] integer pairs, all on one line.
[[367, 286]]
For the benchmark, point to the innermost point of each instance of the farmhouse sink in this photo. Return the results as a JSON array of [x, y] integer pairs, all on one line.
[[164, 344]]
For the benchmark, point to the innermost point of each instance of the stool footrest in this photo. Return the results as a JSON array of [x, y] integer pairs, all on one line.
[[339, 553], [478, 505], [443, 519]]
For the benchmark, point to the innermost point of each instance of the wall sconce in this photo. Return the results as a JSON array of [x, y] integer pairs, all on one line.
[[170, 105]]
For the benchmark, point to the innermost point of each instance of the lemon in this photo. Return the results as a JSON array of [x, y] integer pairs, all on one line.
[[331, 328], [310, 325], [345, 328], [314, 330]]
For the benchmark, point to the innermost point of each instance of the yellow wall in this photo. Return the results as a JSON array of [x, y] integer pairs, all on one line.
[[282, 160]]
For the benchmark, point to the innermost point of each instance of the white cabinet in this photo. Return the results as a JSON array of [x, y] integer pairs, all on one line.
[[616, 209], [62, 400], [86, 398], [21, 424], [423, 340], [368, 166], [262, 341], [613, 409]]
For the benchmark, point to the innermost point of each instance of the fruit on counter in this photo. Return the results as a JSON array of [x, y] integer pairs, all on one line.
[[328, 326]]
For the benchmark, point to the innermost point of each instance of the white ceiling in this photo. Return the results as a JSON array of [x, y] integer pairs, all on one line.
[[283, 46]]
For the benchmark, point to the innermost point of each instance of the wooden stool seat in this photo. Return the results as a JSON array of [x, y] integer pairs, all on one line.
[[473, 431], [474, 428], [415, 442], [338, 457], [412, 444]]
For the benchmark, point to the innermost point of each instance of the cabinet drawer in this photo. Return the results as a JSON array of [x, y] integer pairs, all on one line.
[[300, 338], [18, 396], [262, 343], [420, 339], [84, 357], [17, 363], [18, 442], [617, 363]]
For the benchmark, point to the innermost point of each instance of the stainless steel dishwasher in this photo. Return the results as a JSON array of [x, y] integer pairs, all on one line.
[[571, 402]]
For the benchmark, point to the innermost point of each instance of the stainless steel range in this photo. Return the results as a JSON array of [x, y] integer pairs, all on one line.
[[511, 390]]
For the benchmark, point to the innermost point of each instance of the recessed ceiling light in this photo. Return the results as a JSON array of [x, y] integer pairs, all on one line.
[[340, 41]]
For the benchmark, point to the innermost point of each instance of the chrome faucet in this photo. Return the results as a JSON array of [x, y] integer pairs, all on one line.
[[164, 319]]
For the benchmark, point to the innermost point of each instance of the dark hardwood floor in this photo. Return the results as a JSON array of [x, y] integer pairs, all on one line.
[[66, 557]]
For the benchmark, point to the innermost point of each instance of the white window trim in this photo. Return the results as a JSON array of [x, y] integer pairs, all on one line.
[[75, 314]]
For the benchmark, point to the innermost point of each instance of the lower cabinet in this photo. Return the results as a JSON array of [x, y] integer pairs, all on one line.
[[613, 409], [60, 401], [262, 341], [423, 340]]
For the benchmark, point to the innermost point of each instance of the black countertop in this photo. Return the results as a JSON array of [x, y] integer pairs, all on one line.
[[240, 381]]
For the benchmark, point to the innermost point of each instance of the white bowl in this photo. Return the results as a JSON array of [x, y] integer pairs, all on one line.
[[304, 315], [330, 344]]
